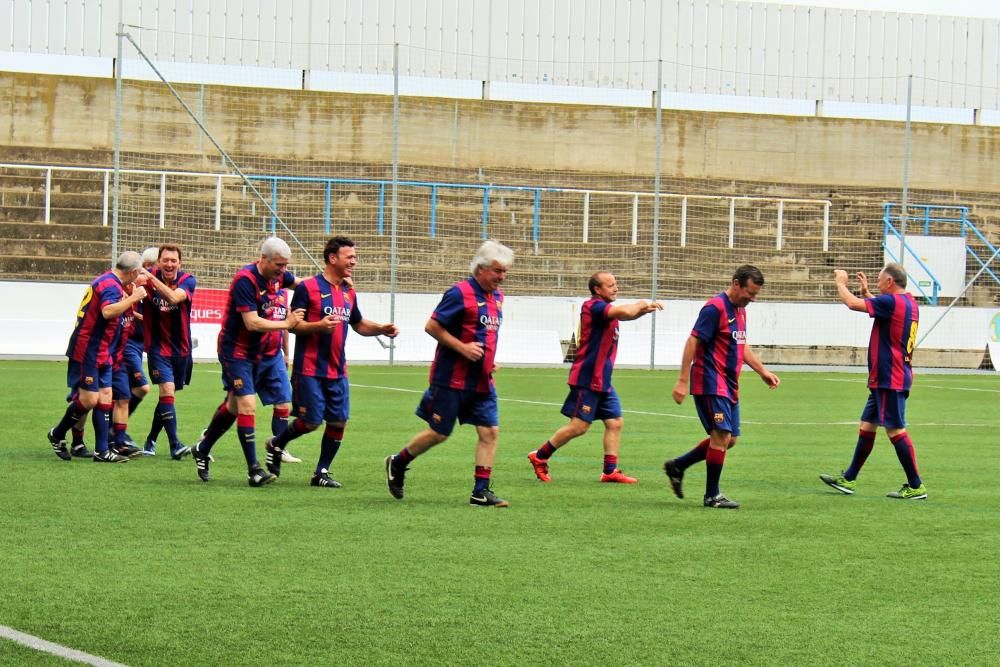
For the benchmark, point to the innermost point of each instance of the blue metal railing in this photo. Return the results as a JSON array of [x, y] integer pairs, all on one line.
[[433, 187], [924, 215]]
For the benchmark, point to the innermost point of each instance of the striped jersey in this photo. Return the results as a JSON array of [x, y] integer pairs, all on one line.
[[469, 314], [167, 326], [95, 340], [321, 354], [250, 291], [721, 328], [598, 345], [890, 348]]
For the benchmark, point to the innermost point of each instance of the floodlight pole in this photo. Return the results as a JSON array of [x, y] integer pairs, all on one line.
[[656, 210], [907, 140], [393, 247], [116, 186]]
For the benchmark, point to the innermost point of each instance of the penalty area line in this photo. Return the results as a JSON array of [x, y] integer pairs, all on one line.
[[59, 650]]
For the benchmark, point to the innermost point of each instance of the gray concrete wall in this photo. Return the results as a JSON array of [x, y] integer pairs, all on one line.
[[78, 113]]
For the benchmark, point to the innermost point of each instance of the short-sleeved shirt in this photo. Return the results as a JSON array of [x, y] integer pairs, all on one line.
[[890, 348], [321, 354], [94, 340], [250, 291], [597, 348], [721, 328], [167, 326], [469, 314]]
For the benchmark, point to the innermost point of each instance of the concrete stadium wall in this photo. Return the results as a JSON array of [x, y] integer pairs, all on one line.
[[533, 327], [69, 112]]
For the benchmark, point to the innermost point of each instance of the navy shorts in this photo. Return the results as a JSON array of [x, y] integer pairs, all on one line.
[[90, 378], [238, 376], [133, 364], [319, 400], [718, 414], [170, 369], [589, 405], [271, 380], [441, 406], [886, 407], [121, 389]]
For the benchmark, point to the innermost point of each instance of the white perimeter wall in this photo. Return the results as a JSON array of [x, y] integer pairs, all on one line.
[[40, 316]]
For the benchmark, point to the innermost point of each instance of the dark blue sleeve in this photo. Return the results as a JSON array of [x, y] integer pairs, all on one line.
[[451, 308], [287, 279], [707, 323], [355, 309], [300, 298], [245, 294]]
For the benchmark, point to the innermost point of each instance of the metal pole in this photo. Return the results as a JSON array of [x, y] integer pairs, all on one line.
[[116, 186], [906, 172], [393, 238], [656, 209]]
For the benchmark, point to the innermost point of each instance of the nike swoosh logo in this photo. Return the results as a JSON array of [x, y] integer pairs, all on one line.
[[482, 498], [388, 472], [324, 296], [263, 292], [732, 320], [480, 303]]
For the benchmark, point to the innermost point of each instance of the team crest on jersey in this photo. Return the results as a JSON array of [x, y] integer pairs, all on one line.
[[719, 417], [238, 383]]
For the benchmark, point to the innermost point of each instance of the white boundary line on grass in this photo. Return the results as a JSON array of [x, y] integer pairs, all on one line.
[[853, 422], [55, 649]]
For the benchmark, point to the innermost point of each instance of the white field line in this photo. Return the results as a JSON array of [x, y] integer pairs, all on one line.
[[55, 649], [675, 415]]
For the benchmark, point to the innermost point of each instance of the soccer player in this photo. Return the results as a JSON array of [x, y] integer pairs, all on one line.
[[253, 296], [167, 329], [890, 375], [122, 383], [713, 357], [465, 325], [319, 375], [91, 350], [591, 395]]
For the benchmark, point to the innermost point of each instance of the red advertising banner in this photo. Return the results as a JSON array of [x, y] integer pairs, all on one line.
[[208, 306]]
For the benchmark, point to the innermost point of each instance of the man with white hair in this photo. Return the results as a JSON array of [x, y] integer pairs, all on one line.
[[465, 324], [93, 346], [255, 314]]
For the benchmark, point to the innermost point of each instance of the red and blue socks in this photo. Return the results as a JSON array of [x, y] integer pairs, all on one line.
[[907, 458], [247, 432], [714, 460], [279, 420], [328, 447], [866, 441], [482, 479], [696, 455], [545, 451]]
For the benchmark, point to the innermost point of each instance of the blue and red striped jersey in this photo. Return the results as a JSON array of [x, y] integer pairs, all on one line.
[[721, 328], [248, 292], [321, 354], [167, 326], [94, 339], [890, 348], [277, 310], [128, 324], [469, 314], [137, 334], [597, 347]]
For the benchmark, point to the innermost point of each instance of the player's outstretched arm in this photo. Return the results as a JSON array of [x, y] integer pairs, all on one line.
[[173, 295], [633, 311], [369, 328]]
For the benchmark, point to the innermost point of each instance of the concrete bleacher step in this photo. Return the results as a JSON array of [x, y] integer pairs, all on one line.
[[38, 230], [70, 269]]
